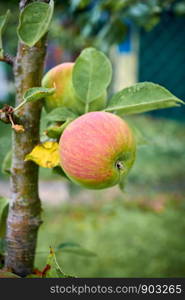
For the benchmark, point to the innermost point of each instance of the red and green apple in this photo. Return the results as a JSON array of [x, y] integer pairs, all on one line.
[[97, 150], [60, 77]]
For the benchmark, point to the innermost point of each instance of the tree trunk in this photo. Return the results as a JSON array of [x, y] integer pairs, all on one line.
[[25, 207]]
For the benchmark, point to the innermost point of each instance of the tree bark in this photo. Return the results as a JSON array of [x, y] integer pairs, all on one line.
[[25, 207]]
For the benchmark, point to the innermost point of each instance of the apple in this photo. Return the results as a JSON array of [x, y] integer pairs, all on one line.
[[97, 150], [60, 77]]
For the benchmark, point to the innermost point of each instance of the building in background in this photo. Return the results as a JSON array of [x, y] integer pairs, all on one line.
[[157, 55], [125, 60], [162, 59]]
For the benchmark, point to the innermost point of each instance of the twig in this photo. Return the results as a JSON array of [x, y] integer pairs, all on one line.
[[5, 112], [9, 59], [6, 116], [3, 117], [16, 127]]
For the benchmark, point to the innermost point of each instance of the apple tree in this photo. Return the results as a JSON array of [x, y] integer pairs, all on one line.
[[68, 92]]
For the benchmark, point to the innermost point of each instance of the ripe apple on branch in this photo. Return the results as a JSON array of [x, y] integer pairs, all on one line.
[[96, 148], [84, 139], [60, 77]]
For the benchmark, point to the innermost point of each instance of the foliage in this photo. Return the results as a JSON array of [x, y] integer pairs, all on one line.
[[34, 94], [34, 22], [101, 24], [141, 97], [3, 21], [52, 268], [82, 23], [92, 74], [60, 114]]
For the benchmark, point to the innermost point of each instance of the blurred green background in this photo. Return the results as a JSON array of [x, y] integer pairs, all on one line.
[[141, 231]]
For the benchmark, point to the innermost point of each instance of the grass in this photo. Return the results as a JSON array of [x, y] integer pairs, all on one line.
[[160, 161], [129, 240]]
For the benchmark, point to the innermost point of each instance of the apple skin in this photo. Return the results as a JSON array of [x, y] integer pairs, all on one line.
[[97, 150], [60, 77]]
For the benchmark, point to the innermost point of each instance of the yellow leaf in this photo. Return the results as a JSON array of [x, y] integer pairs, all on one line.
[[45, 155]]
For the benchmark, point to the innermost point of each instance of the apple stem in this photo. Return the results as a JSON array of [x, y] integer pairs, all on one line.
[[86, 107], [20, 105]]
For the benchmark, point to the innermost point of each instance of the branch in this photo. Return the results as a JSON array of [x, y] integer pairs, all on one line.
[[24, 214], [5, 112], [7, 116], [3, 117], [9, 59], [24, 217]]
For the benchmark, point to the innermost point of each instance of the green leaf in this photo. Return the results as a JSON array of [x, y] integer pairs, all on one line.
[[59, 171], [55, 131], [6, 164], [60, 114], [54, 270], [35, 94], [142, 97], [113, 32], [34, 22], [75, 248], [3, 22], [4, 206], [92, 74]]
